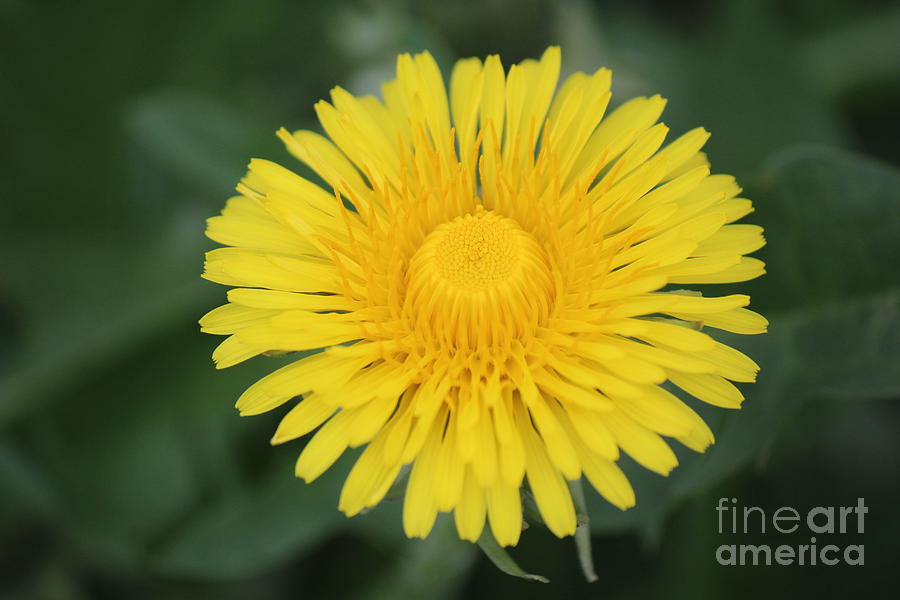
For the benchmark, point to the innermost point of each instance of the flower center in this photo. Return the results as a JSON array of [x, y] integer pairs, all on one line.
[[477, 281], [478, 251]]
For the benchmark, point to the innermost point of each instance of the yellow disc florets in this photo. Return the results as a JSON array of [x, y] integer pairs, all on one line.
[[479, 280]]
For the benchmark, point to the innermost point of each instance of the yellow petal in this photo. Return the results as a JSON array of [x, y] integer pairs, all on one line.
[[702, 304], [699, 438], [368, 481], [588, 426], [448, 471], [733, 239], [547, 484], [368, 419], [675, 336], [325, 447], [712, 389], [660, 411], [326, 159], [485, 466], [466, 85], [670, 359], [419, 504], [471, 509], [731, 364], [618, 130], [232, 351], [504, 509], [247, 268], [736, 320], [530, 87], [264, 234], [644, 446], [684, 148], [557, 442], [609, 480], [320, 370], [308, 414], [279, 300], [230, 318], [723, 271]]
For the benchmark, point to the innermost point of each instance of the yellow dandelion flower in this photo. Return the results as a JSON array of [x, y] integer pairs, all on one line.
[[496, 281]]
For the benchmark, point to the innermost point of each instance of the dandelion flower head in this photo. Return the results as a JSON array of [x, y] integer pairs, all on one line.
[[498, 284]]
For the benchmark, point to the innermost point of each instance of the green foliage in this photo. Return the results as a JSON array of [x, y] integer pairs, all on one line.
[[246, 530], [502, 560], [125, 471]]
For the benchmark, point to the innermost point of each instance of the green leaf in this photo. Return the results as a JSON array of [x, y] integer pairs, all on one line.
[[115, 300], [24, 487], [748, 88], [736, 73], [101, 316], [502, 560], [116, 451], [832, 221], [863, 51], [852, 351], [126, 456], [248, 531], [193, 138]]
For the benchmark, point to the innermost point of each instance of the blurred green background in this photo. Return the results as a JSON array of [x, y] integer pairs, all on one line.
[[125, 471]]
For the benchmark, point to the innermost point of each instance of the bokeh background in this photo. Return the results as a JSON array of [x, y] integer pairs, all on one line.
[[125, 471]]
